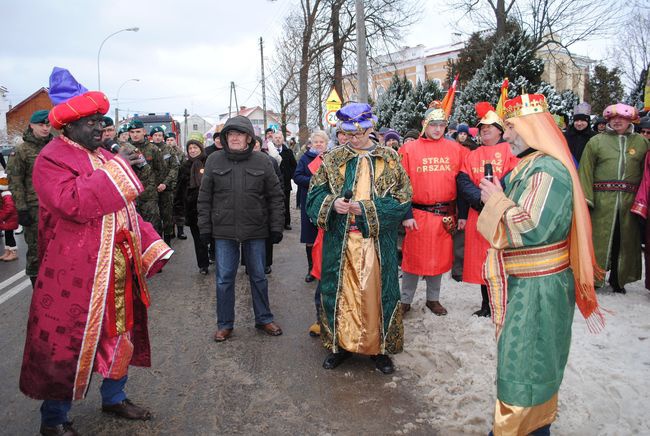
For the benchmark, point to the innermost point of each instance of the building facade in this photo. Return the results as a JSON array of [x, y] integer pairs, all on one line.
[[18, 116]]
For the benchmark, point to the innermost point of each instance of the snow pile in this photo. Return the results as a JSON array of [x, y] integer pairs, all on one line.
[[606, 386]]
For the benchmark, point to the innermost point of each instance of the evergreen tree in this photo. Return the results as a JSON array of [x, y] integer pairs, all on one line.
[[389, 103], [513, 57], [605, 88], [559, 103]]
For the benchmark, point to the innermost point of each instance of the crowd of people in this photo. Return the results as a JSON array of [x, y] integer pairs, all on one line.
[[533, 215]]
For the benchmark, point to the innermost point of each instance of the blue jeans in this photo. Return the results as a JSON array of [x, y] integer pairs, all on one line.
[[55, 412], [227, 260]]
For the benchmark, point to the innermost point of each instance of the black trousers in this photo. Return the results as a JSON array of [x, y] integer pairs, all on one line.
[[614, 254], [287, 211], [201, 250]]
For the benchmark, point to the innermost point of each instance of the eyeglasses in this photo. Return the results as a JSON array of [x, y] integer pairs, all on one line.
[[357, 135]]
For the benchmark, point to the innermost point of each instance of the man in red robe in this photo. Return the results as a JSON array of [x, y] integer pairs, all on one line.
[[89, 306], [432, 163], [495, 151]]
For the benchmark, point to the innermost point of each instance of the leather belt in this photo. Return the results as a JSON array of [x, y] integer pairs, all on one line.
[[442, 209]]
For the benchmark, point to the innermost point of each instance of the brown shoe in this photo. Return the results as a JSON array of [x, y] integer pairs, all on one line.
[[64, 429], [405, 307], [6, 253], [222, 335], [437, 308], [271, 329], [126, 409]]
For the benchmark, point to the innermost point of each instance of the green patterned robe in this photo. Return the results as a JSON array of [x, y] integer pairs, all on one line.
[[610, 157], [380, 219], [534, 344]]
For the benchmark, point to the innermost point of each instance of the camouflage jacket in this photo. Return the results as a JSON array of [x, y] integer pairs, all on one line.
[[20, 167], [170, 166]]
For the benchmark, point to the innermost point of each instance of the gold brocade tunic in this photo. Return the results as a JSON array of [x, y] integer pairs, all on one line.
[[359, 311]]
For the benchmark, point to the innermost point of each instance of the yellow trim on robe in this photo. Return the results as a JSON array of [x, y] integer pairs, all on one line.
[[521, 421], [359, 312]]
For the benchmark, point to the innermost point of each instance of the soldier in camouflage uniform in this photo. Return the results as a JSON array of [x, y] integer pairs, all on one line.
[[148, 173], [179, 214], [167, 182], [19, 171]]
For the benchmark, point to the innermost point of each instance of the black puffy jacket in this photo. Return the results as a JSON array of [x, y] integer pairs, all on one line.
[[240, 199]]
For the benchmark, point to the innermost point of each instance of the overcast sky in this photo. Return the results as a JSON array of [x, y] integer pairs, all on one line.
[[185, 54]]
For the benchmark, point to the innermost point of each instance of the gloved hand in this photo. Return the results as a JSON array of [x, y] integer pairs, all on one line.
[[206, 238], [24, 218], [276, 237]]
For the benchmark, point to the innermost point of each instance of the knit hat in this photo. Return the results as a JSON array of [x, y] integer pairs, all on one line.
[[412, 133], [391, 134], [462, 128]]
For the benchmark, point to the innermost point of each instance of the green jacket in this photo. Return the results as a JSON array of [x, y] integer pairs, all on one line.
[[20, 167], [609, 157]]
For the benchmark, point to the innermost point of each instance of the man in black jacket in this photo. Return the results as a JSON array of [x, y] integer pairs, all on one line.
[[287, 167], [240, 201]]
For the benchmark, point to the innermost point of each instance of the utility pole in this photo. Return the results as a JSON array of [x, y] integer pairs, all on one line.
[[362, 60], [185, 115], [263, 83], [233, 91]]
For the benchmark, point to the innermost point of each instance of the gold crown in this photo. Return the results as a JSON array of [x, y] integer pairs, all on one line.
[[525, 104]]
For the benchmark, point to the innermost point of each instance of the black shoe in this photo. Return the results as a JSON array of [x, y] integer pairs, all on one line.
[[64, 429], [457, 277], [618, 290], [287, 227], [182, 236], [204, 271], [384, 363], [267, 270], [482, 312], [309, 278], [335, 359]]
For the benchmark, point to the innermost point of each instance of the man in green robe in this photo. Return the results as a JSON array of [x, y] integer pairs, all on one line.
[[611, 169], [539, 266], [359, 197]]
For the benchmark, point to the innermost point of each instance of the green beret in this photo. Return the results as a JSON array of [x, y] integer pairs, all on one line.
[[136, 124], [123, 128], [108, 121], [170, 135], [156, 130], [40, 117]]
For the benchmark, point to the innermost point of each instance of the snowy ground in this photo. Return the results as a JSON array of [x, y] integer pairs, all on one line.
[[606, 387]]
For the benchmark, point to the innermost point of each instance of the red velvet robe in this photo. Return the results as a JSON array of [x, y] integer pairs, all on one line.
[[503, 161], [85, 199], [432, 166], [640, 207]]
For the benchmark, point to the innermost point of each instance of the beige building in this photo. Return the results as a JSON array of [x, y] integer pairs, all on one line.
[[430, 63]]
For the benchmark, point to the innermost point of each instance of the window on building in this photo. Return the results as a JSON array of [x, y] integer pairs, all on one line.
[[195, 127]]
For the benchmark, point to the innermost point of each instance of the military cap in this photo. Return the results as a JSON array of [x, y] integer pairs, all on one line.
[[136, 124], [170, 135], [108, 121], [39, 117], [156, 130]]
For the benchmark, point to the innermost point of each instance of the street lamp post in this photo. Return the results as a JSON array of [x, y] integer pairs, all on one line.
[[117, 99], [129, 29]]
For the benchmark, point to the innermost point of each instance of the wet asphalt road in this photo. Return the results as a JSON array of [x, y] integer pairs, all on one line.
[[251, 384]]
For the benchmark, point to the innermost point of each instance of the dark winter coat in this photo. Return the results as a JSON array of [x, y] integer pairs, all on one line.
[[287, 167], [240, 199], [185, 198], [302, 177], [577, 140]]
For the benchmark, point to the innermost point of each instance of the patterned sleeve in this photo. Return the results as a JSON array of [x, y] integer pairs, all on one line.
[[320, 200]]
